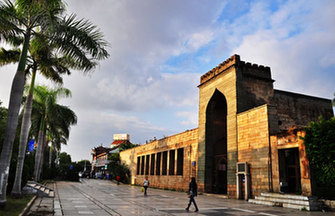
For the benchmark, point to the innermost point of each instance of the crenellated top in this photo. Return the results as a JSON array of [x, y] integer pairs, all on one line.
[[233, 60]]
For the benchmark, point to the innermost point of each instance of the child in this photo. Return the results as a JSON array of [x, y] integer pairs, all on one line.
[[146, 185]]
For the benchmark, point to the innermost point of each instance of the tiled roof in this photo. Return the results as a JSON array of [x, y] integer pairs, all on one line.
[[118, 142]]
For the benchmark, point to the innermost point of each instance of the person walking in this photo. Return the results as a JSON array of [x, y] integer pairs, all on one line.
[[146, 185], [118, 180], [192, 192]]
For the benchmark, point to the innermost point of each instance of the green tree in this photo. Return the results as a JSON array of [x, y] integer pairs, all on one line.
[[84, 164], [116, 168], [56, 138], [50, 118], [64, 158], [125, 146], [320, 148], [28, 167], [3, 119], [79, 40], [68, 170]]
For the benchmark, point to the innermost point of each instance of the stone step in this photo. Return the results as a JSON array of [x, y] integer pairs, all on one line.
[[51, 194], [42, 190], [31, 185], [261, 202], [283, 200], [288, 201], [279, 204], [294, 206], [287, 196]]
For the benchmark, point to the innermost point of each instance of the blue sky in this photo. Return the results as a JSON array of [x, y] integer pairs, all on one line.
[[159, 49]]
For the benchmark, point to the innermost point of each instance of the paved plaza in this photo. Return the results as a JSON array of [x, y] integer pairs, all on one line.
[[101, 197]]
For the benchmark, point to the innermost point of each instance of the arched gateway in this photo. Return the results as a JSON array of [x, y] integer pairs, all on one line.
[[216, 144]]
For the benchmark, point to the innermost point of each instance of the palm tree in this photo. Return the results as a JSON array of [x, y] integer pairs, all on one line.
[[56, 138], [50, 66], [17, 23], [43, 59], [50, 117], [79, 40]]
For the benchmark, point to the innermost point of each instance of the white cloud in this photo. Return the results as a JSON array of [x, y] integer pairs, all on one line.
[[191, 118], [164, 91], [297, 42]]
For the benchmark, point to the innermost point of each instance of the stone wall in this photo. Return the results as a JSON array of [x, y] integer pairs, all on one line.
[[286, 140], [297, 110], [253, 146], [187, 140], [254, 86]]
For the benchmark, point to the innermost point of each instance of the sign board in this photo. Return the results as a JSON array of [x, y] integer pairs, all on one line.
[[31, 145], [121, 137], [106, 166]]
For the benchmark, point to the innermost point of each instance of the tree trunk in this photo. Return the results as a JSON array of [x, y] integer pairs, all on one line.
[[26, 122], [50, 156], [12, 120], [40, 168], [38, 153], [57, 157]]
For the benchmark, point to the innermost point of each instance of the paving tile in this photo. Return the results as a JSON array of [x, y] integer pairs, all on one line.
[[99, 197]]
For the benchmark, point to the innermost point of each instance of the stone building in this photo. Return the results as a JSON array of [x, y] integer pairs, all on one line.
[[247, 140]]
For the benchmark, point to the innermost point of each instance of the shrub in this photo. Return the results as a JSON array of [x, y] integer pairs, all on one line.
[[320, 149]]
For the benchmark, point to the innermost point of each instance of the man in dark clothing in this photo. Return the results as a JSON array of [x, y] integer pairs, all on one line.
[[192, 191]]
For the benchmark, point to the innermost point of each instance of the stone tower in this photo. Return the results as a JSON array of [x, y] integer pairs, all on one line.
[[231, 88]]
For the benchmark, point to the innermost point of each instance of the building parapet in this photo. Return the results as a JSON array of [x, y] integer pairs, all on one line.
[[233, 60]]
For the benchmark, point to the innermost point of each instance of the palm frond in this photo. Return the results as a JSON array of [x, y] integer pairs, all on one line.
[[10, 24], [9, 56], [82, 41], [58, 118]]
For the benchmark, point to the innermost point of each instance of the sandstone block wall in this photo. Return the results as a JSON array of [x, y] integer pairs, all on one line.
[[253, 146], [187, 140], [254, 86], [297, 110]]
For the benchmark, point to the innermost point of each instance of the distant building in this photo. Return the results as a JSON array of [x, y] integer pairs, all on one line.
[[247, 140], [100, 160], [100, 155], [120, 139]]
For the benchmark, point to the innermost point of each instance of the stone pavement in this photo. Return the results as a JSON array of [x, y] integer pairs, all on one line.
[[101, 197]]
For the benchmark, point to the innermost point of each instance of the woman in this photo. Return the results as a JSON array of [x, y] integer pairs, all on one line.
[[192, 191], [146, 185]]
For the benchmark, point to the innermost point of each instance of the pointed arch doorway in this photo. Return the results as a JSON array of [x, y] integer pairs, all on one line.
[[216, 145]]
